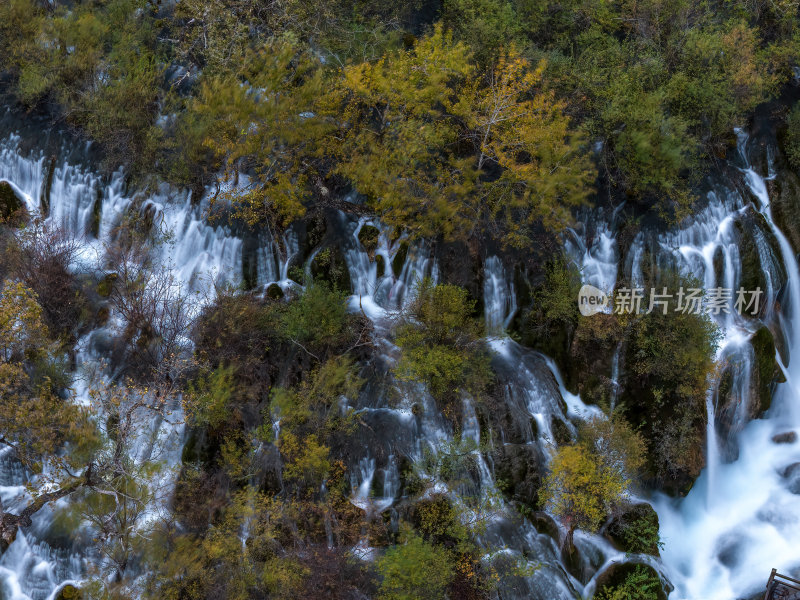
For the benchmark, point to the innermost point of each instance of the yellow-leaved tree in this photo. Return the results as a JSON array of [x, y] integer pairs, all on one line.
[[260, 122], [591, 478], [532, 167], [438, 149], [35, 424]]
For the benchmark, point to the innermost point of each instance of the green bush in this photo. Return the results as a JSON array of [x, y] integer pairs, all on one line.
[[415, 570], [669, 361], [640, 584], [317, 317], [441, 343], [792, 139]]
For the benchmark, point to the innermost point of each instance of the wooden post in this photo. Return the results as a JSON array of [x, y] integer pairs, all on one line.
[[769, 585]]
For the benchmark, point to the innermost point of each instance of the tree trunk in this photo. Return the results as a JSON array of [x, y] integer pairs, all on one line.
[[10, 523]]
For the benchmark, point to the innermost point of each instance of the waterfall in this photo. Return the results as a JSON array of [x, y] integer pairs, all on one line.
[[499, 298], [712, 447], [594, 251], [90, 207], [615, 383], [740, 519]]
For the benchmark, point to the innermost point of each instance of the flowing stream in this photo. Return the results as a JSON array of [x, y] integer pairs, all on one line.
[[742, 516], [41, 561]]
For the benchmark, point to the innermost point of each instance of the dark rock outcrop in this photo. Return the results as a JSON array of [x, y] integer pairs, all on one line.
[[631, 530]]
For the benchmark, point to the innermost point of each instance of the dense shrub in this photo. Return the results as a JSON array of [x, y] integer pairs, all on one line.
[[441, 343], [41, 257], [415, 569], [669, 361]]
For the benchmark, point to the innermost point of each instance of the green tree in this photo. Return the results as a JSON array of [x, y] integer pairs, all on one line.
[[486, 26], [580, 490], [440, 151], [441, 343], [261, 119], [415, 570]]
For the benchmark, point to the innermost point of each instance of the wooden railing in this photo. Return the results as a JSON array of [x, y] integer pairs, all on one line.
[[780, 587]]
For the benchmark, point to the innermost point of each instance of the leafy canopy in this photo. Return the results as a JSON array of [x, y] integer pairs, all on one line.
[[439, 150]]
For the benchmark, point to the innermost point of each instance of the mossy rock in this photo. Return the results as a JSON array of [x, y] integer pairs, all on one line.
[[519, 468], [274, 291], [368, 236], [11, 205], [381, 265], [106, 285], [561, 432], [329, 265], [616, 574], [752, 276], [69, 592], [400, 258], [635, 530], [766, 369], [97, 213]]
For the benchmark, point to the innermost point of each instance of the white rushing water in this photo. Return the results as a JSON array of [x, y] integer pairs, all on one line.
[[593, 249], [199, 255], [742, 518]]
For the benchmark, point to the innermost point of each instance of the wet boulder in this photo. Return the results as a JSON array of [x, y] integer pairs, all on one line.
[[329, 265], [765, 370], [635, 530], [518, 469], [545, 524], [624, 578], [400, 258], [368, 236], [380, 266], [753, 236], [69, 592], [561, 431], [787, 437], [12, 208], [792, 477]]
